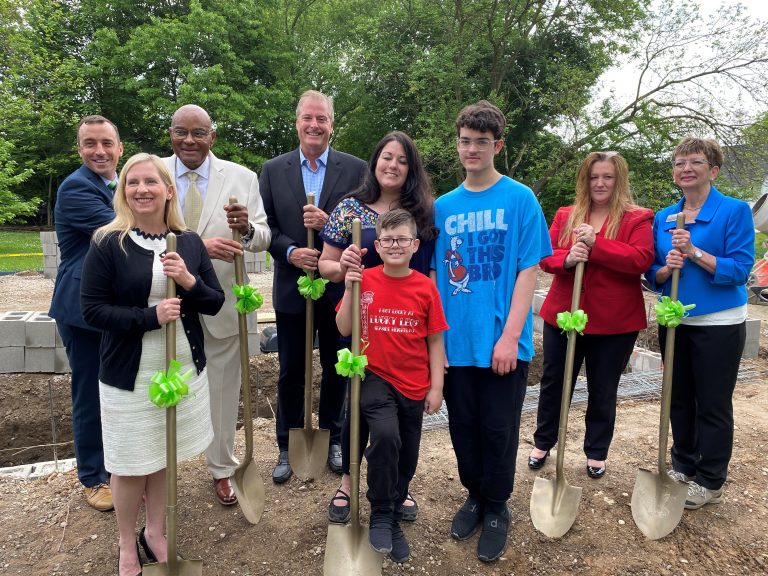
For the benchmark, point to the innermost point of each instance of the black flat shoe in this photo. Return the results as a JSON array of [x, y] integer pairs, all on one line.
[[147, 550], [595, 472], [536, 463]]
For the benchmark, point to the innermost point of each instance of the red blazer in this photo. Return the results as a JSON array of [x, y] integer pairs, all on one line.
[[611, 295]]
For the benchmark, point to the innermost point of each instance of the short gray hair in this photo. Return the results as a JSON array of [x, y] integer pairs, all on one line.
[[315, 95]]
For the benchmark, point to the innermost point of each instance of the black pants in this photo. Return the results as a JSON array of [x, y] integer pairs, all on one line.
[[606, 357], [705, 369], [345, 438], [484, 421], [291, 334], [395, 428], [83, 354]]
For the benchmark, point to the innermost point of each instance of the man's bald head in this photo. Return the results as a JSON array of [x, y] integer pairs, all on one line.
[[192, 135]]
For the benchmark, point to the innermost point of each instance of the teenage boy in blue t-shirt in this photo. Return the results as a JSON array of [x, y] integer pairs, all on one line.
[[492, 237]]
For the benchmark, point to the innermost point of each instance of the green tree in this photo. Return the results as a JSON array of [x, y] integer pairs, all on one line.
[[12, 207]]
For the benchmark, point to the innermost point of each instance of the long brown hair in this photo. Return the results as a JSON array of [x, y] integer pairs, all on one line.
[[621, 199]]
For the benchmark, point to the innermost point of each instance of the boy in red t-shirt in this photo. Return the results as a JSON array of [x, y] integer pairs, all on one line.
[[401, 325]]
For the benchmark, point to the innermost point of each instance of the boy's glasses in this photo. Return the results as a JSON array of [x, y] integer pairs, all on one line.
[[481, 144], [401, 242]]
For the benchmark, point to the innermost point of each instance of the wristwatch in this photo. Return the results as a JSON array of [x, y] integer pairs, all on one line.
[[697, 254]]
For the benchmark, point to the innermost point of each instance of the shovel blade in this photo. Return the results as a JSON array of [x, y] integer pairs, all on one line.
[[308, 452], [657, 503], [348, 553], [249, 490], [180, 568], [554, 506]]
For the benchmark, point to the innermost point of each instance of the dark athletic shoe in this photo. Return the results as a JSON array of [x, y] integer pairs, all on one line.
[[467, 520], [380, 532], [401, 551], [493, 540]]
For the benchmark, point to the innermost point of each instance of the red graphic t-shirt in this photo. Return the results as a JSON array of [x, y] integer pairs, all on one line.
[[396, 316]]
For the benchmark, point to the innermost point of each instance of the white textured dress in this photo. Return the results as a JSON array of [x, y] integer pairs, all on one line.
[[133, 428]]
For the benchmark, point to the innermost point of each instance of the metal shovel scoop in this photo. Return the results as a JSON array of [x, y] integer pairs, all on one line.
[[555, 504], [174, 566], [657, 499], [307, 446], [347, 551], [246, 480]]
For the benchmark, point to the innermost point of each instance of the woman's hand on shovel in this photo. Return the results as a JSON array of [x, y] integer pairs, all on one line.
[[168, 310]]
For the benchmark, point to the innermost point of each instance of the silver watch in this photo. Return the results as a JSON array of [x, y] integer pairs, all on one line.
[[697, 254]]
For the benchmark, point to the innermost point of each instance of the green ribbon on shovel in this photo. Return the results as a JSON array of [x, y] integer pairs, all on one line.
[[351, 365], [670, 312], [568, 321], [167, 388], [248, 298], [311, 288]]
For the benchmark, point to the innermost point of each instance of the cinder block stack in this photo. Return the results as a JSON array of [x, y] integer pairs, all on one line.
[[13, 334], [255, 262], [51, 256]]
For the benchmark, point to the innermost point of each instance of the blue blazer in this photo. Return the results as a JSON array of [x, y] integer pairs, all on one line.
[[83, 204], [723, 228]]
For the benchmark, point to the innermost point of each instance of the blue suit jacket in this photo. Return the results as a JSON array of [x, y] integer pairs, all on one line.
[[83, 204]]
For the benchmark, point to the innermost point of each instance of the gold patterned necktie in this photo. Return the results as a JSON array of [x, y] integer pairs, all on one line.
[[193, 203]]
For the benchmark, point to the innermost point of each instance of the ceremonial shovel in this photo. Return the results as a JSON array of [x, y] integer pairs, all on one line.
[[657, 499], [174, 566], [308, 447], [347, 551], [554, 504], [246, 481]]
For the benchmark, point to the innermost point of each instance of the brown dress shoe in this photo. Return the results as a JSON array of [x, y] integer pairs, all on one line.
[[99, 497], [225, 494]]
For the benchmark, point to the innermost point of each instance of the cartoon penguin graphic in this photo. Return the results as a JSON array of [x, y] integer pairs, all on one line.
[[457, 273]]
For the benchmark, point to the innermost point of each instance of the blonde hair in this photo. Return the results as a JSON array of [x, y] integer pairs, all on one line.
[[621, 199], [125, 220]]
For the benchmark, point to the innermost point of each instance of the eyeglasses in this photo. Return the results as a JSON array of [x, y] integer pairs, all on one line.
[[401, 242], [697, 163], [481, 144], [197, 133]]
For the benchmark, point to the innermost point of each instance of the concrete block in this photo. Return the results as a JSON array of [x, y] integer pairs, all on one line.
[[643, 360], [40, 331], [752, 343], [50, 272], [538, 300], [50, 250], [39, 359], [538, 323], [13, 330], [49, 238], [59, 341], [11, 359], [60, 361], [252, 320]]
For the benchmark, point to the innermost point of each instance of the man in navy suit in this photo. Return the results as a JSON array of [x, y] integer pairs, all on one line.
[[83, 204], [285, 182]]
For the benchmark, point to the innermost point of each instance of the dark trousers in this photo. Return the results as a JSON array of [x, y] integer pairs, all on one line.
[[395, 428], [83, 354], [484, 422], [291, 333], [345, 429], [704, 373], [606, 357]]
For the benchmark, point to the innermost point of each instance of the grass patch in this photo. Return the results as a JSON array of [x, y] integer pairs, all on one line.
[[17, 242]]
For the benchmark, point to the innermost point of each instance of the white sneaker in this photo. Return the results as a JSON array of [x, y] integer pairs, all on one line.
[[698, 496], [679, 476]]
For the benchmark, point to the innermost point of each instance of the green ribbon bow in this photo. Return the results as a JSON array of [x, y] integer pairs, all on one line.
[[168, 388], [670, 312], [350, 365], [568, 321], [311, 288], [248, 298]]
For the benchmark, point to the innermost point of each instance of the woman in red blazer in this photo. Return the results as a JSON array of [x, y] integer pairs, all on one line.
[[613, 236]]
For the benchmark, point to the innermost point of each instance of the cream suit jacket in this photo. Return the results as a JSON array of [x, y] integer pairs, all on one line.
[[228, 179]]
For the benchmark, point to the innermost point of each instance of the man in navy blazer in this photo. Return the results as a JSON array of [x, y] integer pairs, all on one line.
[[83, 204], [285, 182]]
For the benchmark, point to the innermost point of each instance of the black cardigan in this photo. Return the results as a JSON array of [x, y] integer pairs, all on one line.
[[114, 291]]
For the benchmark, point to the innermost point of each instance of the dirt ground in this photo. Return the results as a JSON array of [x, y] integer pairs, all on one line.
[[48, 529]]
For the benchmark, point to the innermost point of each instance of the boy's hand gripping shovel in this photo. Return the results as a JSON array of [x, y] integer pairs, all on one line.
[[174, 566], [555, 504], [657, 499], [308, 447], [246, 481], [347, 551]]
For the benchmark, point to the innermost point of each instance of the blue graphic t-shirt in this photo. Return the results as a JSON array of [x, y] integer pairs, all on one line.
[[485, 239]]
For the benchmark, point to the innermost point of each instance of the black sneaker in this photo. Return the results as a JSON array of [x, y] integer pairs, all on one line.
[[467, 520], [493, 540], [380, 532], [401, 551]]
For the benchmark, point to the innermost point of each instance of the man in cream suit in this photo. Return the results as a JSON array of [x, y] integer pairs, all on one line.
[[204, 185]]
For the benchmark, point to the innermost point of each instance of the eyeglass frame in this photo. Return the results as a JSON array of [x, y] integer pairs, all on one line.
[[481, 144], [197, 133], [387, 242], [694, 163]]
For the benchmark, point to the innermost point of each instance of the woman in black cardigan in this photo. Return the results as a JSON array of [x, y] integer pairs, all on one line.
[[123, 294]]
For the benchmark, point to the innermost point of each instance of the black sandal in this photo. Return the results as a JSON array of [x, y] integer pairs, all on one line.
[[339, 514], [409, 513]]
